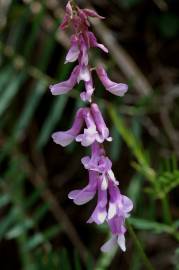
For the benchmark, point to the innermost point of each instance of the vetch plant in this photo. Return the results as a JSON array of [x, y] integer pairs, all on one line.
[[89, 128]]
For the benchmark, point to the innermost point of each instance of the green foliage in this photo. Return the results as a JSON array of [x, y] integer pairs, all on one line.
[[168, 25], [129, 3]]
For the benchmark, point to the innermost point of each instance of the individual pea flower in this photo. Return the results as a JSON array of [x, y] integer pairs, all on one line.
[[118, 89], [66, 86], [92, 41], [68, 16], [118, 211], [86, 194], [100, 163], [96, 129], [118, 235]]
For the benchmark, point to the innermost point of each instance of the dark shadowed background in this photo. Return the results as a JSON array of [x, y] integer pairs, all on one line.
[[40, 229]]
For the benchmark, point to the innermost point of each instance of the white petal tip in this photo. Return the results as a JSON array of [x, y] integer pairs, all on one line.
[[121, 242]]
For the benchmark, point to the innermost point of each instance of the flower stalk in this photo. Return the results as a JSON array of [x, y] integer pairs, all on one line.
[[90, 130], [146, 262]]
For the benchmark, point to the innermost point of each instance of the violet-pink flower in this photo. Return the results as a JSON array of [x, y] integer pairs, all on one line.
[[66, 86], [118, 89], [82, 196], [64, 138], [90, 129]]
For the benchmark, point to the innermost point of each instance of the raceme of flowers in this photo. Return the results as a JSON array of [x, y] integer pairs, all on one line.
[[89, 129]]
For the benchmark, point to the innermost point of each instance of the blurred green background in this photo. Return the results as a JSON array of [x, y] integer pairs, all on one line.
[[40, 229]]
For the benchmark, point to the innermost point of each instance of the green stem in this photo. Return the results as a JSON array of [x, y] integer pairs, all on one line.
[[73, 2], [105, 260], [166, 210], [147, 263]]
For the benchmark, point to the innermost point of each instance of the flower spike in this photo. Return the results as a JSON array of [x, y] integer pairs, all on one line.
[[90, 129]]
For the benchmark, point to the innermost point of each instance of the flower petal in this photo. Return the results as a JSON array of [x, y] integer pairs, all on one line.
[[65, 86], [99, 121], [121, 242], [118, 89], [92, 13], [73, 52], [109, 245], [84, 74], [127, 204], [66, 137], [88, 137], [63, 138], [112, 210], [84, 197], [93, 42]]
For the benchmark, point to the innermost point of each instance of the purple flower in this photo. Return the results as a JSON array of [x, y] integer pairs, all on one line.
[[118, 89], [79, 73], [66, 86], [116, 239], [112, 206], [96, 129], [101, 126], [100, 213], [89, 128], [90, 134], [93, 42], [93, 132], [84, 74], [118, 211], [119, 205], [92, 13], [64, 138], [118, 234], [84, 51], [98, 161], [68, 16], [82, 196]]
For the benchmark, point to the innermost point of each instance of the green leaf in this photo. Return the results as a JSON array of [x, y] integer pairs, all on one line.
[[40, 212], [77, 261], [168, 24], [129, 3], [105, 260], [32, 199], [4, 200], [143, 224], [56, 111], [33, 242], [19, 229], [29, 108], [53, 117], [134, 188], [6, 73], [11, 91], [8, 221], [115, 148], [134, 145], [30, 42], [18, 26], [64, 260]]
